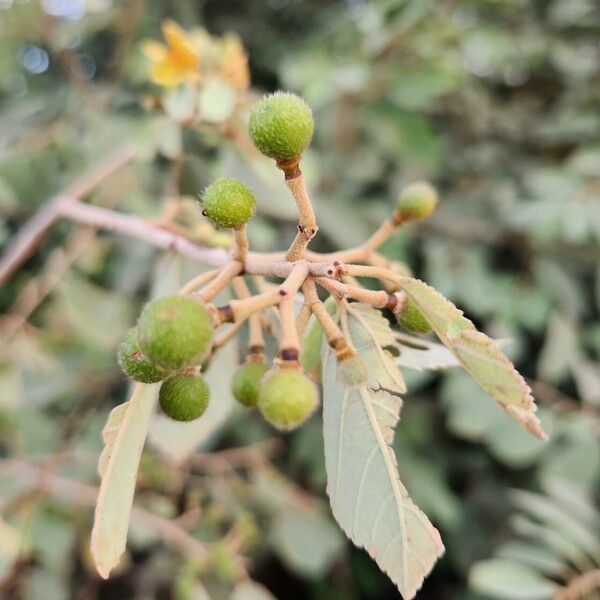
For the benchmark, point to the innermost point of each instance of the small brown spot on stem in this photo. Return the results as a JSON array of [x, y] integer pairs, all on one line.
[[289, 354]]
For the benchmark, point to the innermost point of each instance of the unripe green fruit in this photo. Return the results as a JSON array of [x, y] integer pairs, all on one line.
[[175, 331], [287, 398], [134, 363], [281, 125], [417, 201], [184, 397], [245, 384], [412, 319], [228, 203]]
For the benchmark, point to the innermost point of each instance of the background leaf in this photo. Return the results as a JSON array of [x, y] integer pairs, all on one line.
[[124, 437]]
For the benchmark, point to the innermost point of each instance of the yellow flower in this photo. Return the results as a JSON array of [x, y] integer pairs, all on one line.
[[176, 62], [234, 65]]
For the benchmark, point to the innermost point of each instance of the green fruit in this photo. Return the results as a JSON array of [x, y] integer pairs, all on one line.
[[417, 201], [281, 125], [175, 331], [412, 319], [134, 363], [228, 203], [287, 398], [246, 383], [184, 397]]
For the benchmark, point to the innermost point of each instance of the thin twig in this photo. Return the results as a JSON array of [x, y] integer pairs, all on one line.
[[256, 339], [31, 235], [138, 228], [307, 224], [85, 495]]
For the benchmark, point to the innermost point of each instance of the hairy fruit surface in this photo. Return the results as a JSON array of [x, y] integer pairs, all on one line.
[[287, 398], [228, 203], [412, 319], [281, 125], [134, 363], [417, 201], [175, 331], [245, 384], [184, 397]]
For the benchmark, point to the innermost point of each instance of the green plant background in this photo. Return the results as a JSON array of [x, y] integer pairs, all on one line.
[[497, 103]]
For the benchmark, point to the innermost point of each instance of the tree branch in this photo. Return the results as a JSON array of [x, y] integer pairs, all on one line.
[[31, 235]]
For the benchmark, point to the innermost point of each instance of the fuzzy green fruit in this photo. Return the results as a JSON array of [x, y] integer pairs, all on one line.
[[287, 398], [245, 384], [417, 201], [228, 203], [412, 319], [184, 397], [134, 363], [281, 125], [175, 331]]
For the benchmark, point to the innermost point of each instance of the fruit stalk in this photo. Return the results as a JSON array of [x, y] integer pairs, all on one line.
[[307, 223]]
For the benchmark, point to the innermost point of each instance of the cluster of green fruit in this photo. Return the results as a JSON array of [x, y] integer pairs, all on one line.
[[172, 340], [174, 334]]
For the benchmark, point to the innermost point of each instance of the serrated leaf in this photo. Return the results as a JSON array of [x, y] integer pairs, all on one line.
[[367, 498], [124, 436], [369, 337], [478, 354]]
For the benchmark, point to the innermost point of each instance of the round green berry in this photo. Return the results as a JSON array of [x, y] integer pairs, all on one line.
[[412, 319], [246, 383], [228, 203], [134, 363], [281, 125], [175, 331], [184, 397], [417, 201], [287, 398]]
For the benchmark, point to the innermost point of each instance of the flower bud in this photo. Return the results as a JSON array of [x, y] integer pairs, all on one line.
[[245, 384], [411, 318], [134, 363]]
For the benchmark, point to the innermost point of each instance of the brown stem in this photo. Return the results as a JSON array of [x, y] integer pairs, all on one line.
[[201, 279], [330, 328], [135, 227], [580, 587], [221, 281], [255, 334], [307, 223], [382, 273], [32, 233], [241, 244], [82, 494]]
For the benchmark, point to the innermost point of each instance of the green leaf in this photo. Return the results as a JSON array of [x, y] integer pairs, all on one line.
[[306, 539], [250, 590], [216, 102], [508, 580], [478, 354], [124, 436], [367, 498], [371, 335]]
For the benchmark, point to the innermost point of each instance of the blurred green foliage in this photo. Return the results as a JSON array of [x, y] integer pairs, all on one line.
[[495, 101]]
